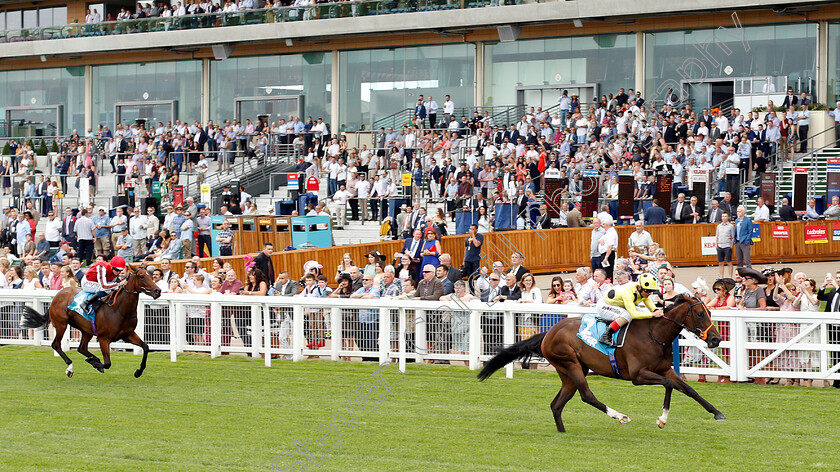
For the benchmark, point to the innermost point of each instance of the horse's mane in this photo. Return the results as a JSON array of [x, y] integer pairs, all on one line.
[[678, 300]]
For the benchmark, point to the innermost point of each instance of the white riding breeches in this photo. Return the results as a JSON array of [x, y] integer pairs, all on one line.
[[612, 313]]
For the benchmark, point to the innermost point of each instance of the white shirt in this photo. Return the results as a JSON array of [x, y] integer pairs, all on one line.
[[761, 213], [342, 196], [53, 229], [137, 227], [363, 189], [610, 238], [449, 107]]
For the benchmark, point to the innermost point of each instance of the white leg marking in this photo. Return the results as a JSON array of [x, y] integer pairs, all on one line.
[[662, 419], [621, 417], [69, 370]]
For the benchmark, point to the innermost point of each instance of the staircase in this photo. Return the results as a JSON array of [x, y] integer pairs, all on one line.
[[817, 169]]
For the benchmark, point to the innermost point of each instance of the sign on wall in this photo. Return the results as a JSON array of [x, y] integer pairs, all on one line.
[[708, 246], [816, 234], [781, 232]]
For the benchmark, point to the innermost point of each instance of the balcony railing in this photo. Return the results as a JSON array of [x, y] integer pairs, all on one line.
[[347, 9]]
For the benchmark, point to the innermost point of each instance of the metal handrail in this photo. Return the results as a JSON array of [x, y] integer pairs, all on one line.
[[238, 18]]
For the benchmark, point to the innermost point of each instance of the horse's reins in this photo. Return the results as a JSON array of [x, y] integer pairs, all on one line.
[[114, 296], [701, 334]]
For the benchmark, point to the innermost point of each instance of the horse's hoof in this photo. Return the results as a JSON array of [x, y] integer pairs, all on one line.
[[100, 370], [138, 373], [624, 419], [69, 371], [720, 417], [660, 423]]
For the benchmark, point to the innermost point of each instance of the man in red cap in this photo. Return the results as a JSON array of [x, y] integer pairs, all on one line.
[[101, 279]]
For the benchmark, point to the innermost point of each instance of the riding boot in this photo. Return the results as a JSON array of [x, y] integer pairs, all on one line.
[[606, 338]]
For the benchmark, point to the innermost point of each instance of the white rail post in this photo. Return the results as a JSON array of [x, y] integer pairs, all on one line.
[[267, 332], [173, 333], [181, 325], [336, 333], [256, 330], [215, 330], [508, 338], [420, 345], [384, 334], [297, 333], [475, 338], [401, 340], [740, 358]]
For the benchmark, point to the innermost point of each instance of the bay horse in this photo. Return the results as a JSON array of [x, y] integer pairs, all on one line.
[[115, 320], [645, 358]]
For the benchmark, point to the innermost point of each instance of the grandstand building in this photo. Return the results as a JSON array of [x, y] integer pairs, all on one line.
[[356, 63]]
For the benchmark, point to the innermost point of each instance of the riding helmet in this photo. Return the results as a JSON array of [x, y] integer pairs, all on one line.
[[648, 282]]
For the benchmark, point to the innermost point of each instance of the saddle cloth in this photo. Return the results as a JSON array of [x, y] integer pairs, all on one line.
[[591, 329], [75, 305]]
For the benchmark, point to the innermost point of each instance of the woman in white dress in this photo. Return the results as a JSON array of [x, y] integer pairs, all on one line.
[[806, 301]]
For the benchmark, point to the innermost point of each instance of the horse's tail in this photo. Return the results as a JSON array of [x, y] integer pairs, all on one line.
[[32, 319], [520, 350]]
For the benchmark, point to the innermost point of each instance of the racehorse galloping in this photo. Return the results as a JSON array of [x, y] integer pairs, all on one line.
[[115, 320], [645, 358]]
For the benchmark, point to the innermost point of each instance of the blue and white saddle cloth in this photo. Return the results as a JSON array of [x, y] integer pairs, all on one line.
[[591, 330], [76, 305]]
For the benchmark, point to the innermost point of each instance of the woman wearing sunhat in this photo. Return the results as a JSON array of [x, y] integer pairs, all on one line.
[[754, 298]]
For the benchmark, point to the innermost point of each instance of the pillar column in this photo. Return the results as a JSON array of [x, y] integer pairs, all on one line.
[[821, 87], [334, 95], [89, 99], [640, 62], [205, 90], [479, 74]]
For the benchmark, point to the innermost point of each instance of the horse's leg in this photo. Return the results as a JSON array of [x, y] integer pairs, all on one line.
[[647, 377], [579, 378], [105, 347], [134, 338], [567, 391], [60, 328], [683, 387], [89, 357]]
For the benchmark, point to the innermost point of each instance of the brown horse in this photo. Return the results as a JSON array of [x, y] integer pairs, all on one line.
[[115, 320], [645, 358]]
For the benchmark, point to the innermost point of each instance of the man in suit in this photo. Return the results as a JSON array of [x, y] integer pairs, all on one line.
[[491, 322], [695, 214], [786, 212], [412, 248], [68, 227], [680, 211], [286, 286], [830, 293], [516, 267], [263, 261], [790, 99], [715, 212], [727, 205], [544, 220], [429, 288], [574, 219], [743, 237], [453, 274], [510, 291]]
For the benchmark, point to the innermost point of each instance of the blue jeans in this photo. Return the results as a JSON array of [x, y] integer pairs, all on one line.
[[332, 187]]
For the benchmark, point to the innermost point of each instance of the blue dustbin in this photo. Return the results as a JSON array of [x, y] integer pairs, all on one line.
[[547, 320], [284, 207], [305, 199], [820, 205]]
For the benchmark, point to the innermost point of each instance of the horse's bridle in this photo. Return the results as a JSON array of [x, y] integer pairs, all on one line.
[[125, 287], [702, 334]]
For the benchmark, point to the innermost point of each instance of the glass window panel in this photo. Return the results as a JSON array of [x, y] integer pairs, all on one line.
[[786, 51], [833, 63], [379, 83], [60, 16], [30, 18], [605, 60], [13, 20], [306, 74], [2, 21], [45, 17]]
